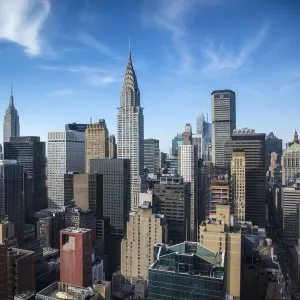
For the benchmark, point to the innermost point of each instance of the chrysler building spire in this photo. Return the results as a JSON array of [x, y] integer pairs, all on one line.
[[131, 132]]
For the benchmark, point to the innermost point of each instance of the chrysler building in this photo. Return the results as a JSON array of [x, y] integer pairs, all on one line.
[[131, 133]]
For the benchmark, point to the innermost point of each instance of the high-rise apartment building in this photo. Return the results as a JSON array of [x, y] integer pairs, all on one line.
[[11, 125], [253, 144], [112, 147], [12, 195], [238, 181], [187, 271], [131, 132], [30, 152], [65, 154], [223, 122], [273, 144], [171, 197], [144, 229], [96, 142], [116, 190], [87, 191], [290, 198], [76, 256], [188, 169], [290, 162], [151, 150]]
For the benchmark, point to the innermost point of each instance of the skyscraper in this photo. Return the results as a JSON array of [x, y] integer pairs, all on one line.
[[116, 190], [273, 144], [11, 125], [131, 132], [188, 169], [76, 256], [65, 154], [12, 195], [223, 122], [31, 153], [253, 144], [152, 155], [112, 147], [96, 142]]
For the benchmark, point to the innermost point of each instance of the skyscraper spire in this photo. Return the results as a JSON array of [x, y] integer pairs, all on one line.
[[296, 139], [11, 100]]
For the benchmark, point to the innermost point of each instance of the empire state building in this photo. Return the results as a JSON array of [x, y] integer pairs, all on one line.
[[131, 133], [11, 125]]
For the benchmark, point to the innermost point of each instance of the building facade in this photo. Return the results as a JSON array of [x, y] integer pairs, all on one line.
[[76, 127], [112, 147], [171, 197], [131, 132], [151, 150], [223, 122], [291, 162], [11, 125], [66, 151], [188, 169], [253, 144], [12, 195], [31, 153], [144, 229], [238, 181], [273, 144], [116, 190], [96, 142], [76, 256]]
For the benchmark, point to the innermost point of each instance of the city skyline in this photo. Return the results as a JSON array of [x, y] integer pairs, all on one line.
[[178, 54]]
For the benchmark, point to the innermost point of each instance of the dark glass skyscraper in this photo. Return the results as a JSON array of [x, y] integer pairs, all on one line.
[[273, 144], [30, 152]]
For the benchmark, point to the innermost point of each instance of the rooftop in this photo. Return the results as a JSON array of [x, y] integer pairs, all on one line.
[[76, 230], [294, 148]]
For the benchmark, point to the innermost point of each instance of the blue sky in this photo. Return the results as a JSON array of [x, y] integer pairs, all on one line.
[[66, 60]]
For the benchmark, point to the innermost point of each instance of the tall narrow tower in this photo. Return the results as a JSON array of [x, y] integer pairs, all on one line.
[[131, 132], [11, 125]]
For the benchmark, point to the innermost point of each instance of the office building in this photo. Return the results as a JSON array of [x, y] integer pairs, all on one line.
[[144, 229], [17, 273], [65, 154], [96, 142], [86, 190], [273, 144], [176, 143], [197, 140], [187, 271], [171, 197], [223, 122], [76, 127], [291, 162], [238, 182], [131, 132], [116, 190], [290, 198], [76, 256], [253, 144], [163, 160], [7, 234], [188, 169], [203, 136], [31, 153], [12, 195], [11, 125], [151, 154], [112, 147], [217, 235]]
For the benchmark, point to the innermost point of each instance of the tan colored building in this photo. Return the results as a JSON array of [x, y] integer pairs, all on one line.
[[112, 147], [96, 142], [219, 193], [290, 161], [216, 236], [238, 176], [7, 234], [144, 230]]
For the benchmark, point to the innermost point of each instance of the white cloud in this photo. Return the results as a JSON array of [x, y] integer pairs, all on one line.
[[61, 93], [91, 42], [101, 80], [72, 68], [221, 59], [21, 22]]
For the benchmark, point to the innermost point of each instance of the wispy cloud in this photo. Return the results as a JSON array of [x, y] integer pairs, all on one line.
[[61, 93], [219, 58], [95, 76], [21, 22], [91, 42]]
